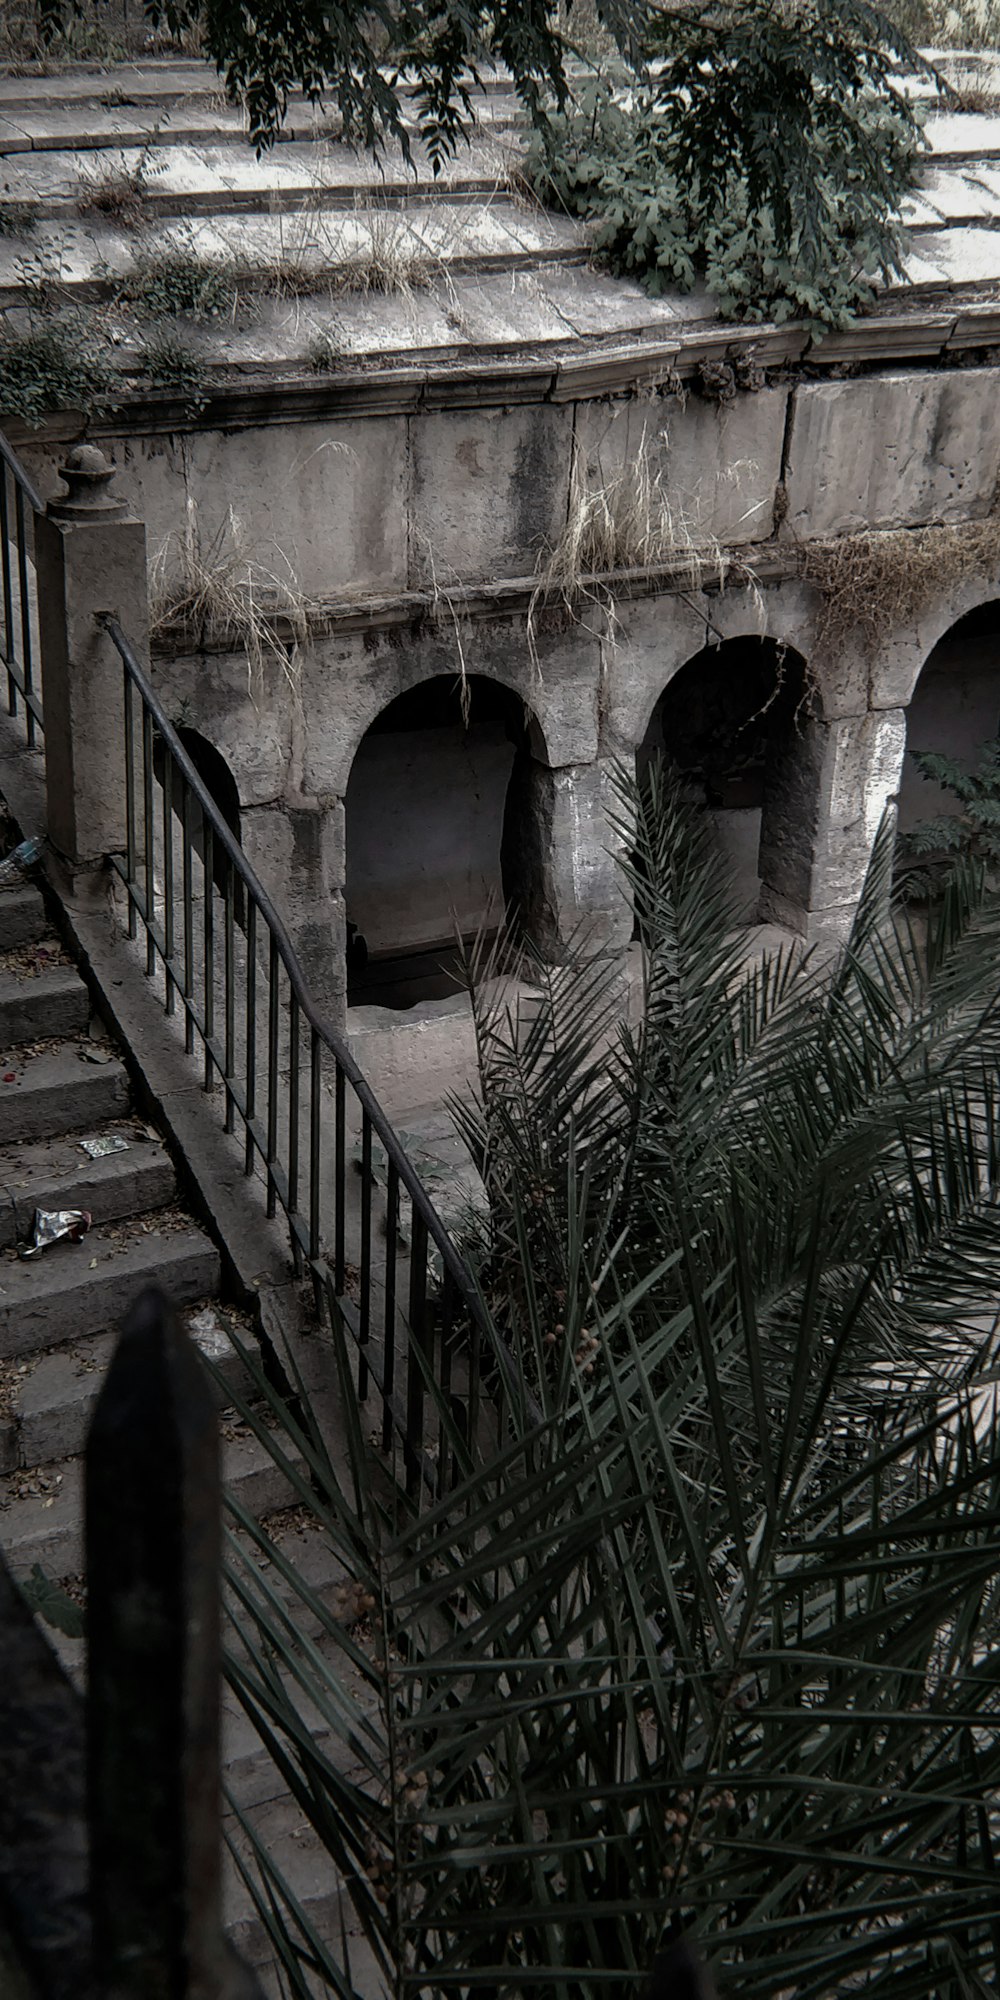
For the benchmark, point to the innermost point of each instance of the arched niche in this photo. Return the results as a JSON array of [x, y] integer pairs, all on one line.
[[427, 861], [954, 708], [731, 722]]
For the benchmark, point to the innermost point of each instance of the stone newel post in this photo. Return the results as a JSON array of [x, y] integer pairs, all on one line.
[[90, 557]]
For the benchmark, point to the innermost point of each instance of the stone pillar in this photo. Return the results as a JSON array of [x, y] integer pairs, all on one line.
[[91, 557], [153, 1531], [298, 852], [824, 803], [559, 866]]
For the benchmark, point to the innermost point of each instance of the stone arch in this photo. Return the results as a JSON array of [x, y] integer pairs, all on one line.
[[954, 706], [657, 636], [215, 774], [734, 721], [219, 782], [428, 848], [901, 660], [560, 717]]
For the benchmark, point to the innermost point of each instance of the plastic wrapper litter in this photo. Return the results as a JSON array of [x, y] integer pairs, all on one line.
[[208, 1334], [108, 1142], [55, 1225]]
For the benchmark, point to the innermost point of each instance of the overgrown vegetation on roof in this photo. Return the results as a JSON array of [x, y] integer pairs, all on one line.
[[768, 159], [52, 364]]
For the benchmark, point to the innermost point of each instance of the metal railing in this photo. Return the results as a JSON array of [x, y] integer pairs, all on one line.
[[19, 503], [361, 1226]]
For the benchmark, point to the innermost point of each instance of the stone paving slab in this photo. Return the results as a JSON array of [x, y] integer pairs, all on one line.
[[481, 271], [963, 134]]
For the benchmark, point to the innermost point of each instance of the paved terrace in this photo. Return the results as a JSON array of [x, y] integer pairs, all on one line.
[[491, 282]]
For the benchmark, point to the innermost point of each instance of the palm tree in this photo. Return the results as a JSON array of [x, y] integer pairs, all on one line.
[[702, 1642]]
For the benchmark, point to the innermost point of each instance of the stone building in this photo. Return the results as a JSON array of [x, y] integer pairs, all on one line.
[[430, 733]]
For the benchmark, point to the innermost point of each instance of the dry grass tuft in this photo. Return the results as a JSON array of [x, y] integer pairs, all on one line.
[[872, 583], [235, 594], [624, 521], [627, 522], [116, 195], [392, 262]]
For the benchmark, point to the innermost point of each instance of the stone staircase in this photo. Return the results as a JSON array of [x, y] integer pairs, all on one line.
[[61, 1083]]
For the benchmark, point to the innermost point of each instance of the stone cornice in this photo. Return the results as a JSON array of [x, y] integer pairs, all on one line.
[[262, 395]]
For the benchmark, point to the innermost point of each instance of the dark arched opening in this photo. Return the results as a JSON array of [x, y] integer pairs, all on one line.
[[215, 775], [954, 710], [220, 784], [728, 722], [427, 861]]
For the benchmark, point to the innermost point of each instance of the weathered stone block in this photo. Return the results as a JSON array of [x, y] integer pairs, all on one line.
[[488, 491], [719, 466], [252, 728], [298, 852], [321, 505], [822, 815], [559, 848], [892, 449]]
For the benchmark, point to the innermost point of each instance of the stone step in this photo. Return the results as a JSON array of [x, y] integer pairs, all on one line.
[[57, 1173], [76, 1289], [46, 1525], [52, 1407], [285, 1833], [59, 1090], [22, 916], [53, 1002]]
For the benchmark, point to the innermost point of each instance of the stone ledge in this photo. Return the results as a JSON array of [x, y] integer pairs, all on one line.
[[261, 395], [770, 562]]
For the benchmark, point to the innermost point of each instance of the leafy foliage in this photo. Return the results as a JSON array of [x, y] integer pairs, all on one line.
[[49, 1601], [161, 284], [704, 1637], [769, 157], [372, 56], [169, 363], [928, 851], [52, 364]]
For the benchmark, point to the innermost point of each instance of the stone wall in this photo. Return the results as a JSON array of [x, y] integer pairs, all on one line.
[[413, 537]]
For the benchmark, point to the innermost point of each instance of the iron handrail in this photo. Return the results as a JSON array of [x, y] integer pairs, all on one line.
[[339, 1049], [31, 493], [461, 1299], [19, 668]]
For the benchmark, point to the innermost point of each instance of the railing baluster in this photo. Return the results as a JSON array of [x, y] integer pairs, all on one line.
[[188, 889], [416, 1315], [170, 987], [446, 1331], [130, 855], [245, 906], [365, 1312], [315, 1138], [208, 956], [273, 998], [229, 943], [148, 826], [293, 1127], [339, 1182], [391, 1255], [16, 535], [251, 1028], [8, 593], [22, 583]]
